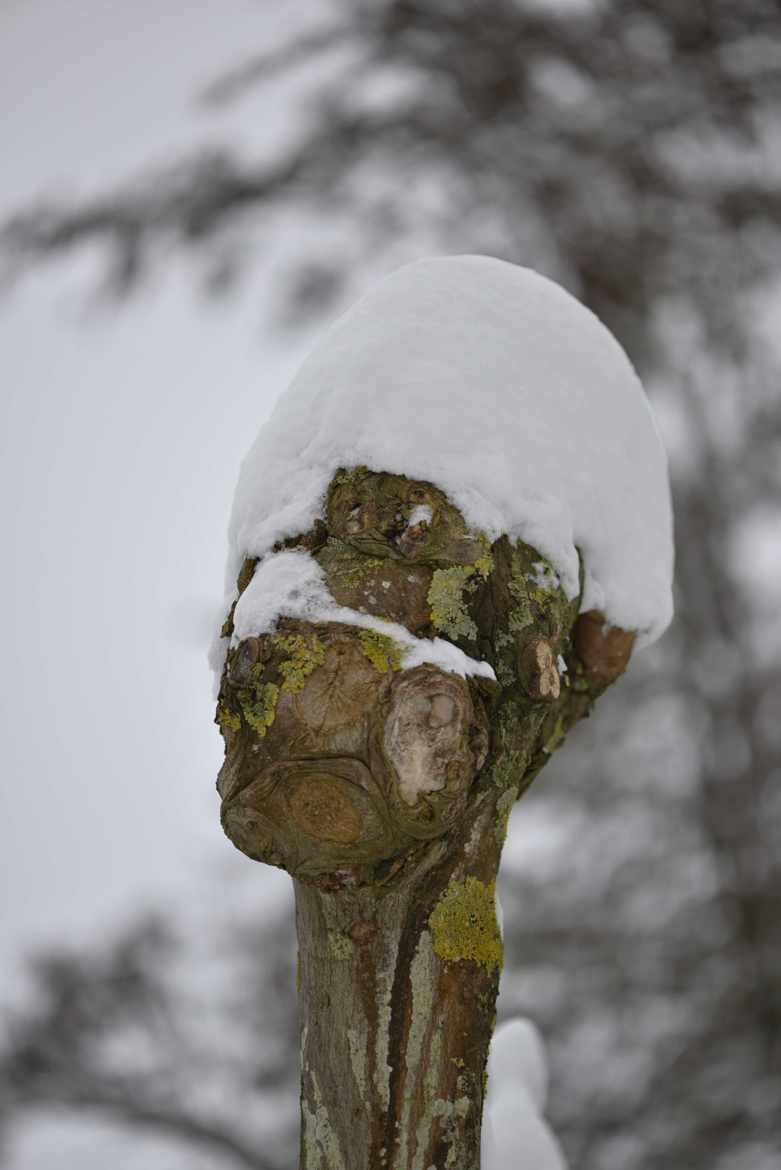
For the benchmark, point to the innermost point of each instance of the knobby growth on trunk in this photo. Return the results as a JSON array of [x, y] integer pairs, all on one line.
[[385, 793]]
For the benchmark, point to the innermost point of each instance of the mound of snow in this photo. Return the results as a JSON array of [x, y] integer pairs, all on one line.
[[515, 1134], [498, 386]]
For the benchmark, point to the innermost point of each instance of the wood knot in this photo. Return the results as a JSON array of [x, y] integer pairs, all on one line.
[[324, 811], [538, 670], [426, 738], [604, 650]]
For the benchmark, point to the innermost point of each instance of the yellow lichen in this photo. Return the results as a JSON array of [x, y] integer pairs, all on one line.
[[484, 565], [340, 945], [228, 720], [306, 654], [449, 589], [382, 651], [537, 592], [463, 923], [259, 706], [349, 475], [446, 601], [258, 700]]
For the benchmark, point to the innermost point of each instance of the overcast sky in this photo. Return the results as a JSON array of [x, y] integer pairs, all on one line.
[[121, 434]]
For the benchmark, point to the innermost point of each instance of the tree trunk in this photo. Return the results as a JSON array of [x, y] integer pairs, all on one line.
[[397, 996]]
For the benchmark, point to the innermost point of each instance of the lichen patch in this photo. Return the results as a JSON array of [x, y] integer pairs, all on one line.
[[305, 654], [259, 705], [463, 923], [383, 653], [449, 613]]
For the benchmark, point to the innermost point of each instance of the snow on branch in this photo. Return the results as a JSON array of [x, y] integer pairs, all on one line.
[[495, 384]]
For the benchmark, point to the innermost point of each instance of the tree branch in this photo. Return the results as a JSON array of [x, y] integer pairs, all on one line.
[[154, 1115]]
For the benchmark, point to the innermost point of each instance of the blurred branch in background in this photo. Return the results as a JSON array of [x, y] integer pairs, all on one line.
[[630, 149], [623, 147], [162, 1032]]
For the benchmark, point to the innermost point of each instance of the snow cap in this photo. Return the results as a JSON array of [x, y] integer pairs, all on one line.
[[498, 386]]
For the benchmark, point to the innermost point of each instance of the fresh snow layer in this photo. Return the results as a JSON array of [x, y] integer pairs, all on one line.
[[292, 584], [498, 386], [515, 1133]]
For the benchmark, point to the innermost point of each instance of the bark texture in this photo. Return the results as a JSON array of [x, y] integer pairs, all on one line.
[[385, 793]]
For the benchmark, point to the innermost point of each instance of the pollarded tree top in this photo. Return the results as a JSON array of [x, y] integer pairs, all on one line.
[[495, 384]]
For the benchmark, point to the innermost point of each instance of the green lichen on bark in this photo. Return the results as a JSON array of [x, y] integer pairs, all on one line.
[[340, 945], [383, 653], [517, 725], [450, 588], [538, 597], [259, 702], [305, 655], [257, 699], [227, 720], [344, 564], [463, 923], [347, 476], [484, 564], [449, 614], [371, 510], [359, 563]]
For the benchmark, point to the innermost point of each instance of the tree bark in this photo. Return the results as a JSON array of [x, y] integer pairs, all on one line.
[[397, 996]]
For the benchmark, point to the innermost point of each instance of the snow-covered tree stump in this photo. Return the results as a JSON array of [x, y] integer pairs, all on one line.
[[397, 672]]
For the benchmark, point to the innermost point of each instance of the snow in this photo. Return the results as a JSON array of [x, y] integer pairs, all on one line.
[[499, 914], [292, 584], [544, 577], [422, 514], [515, 1134], [497, 385]]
